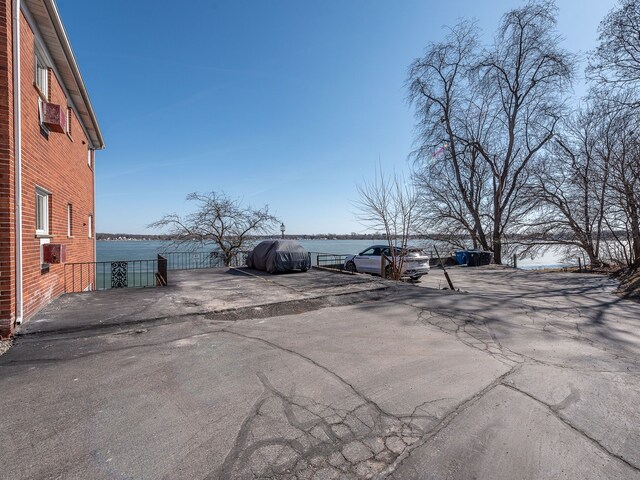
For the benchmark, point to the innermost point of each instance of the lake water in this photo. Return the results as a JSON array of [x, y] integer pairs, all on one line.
[[108, 251]]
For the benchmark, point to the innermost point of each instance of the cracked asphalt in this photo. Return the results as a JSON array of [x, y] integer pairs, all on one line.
[[325, 376]]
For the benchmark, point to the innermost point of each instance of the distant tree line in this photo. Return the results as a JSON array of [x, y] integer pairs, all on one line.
[[506, 160], [306, 236]]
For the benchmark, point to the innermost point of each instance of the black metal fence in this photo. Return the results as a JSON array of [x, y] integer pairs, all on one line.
[[337, 261], [330, 260], [87, 276], [197, 259]]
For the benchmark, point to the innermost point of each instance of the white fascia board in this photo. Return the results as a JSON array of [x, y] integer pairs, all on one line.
[[72, 64]]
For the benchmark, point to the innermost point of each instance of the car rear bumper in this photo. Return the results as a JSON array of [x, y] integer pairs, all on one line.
[[416, 271]]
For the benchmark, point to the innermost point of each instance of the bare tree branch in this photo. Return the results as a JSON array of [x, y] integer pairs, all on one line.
[[220, 219]]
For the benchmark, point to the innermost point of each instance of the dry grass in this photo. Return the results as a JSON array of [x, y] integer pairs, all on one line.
[[595, 271], [629, 282], [5, 345]]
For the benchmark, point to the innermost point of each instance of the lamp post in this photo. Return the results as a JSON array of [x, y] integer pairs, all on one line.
[[282, 229]]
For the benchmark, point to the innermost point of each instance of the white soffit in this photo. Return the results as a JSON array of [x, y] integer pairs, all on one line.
[[45, 14]]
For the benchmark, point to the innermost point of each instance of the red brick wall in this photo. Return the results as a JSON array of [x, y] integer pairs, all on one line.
[[57, 163], [7, 239]]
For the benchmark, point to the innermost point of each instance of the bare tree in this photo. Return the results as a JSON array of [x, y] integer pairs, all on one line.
[[388, 204], [496, 109], [614, 68], [220, 219], [624, 184], [615, 63], [569, 186], [450, 181]]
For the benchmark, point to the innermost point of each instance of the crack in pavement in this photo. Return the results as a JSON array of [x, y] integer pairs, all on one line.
[[365, 441], [450, 416], [313, 362], [289, 436], [555, 411], [472, 331]]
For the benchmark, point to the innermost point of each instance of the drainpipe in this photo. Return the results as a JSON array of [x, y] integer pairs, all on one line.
[[17, 143], [93, 211]]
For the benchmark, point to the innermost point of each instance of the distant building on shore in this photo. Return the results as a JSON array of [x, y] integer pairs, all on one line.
[[48, 136]]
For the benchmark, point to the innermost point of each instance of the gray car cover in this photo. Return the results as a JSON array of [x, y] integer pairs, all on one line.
[[279, 256]]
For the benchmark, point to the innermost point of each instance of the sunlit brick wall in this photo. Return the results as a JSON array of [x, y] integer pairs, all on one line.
[[7, 239]]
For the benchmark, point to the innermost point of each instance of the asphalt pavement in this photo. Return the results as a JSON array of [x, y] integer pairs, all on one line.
[[233, 375]]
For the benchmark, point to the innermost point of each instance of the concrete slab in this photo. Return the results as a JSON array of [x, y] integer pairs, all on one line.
[[507, 435], [524, 376], [193, 292]]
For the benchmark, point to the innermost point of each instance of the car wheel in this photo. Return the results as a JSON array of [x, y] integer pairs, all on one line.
[[415, 278], [351, 267]]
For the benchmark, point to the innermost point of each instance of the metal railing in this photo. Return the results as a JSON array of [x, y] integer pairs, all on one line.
[[88, 276], [330, 260], [195, 260]]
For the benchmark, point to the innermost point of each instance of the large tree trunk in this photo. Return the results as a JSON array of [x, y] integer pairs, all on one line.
[[635, 235], [497, 249], [228, 258]]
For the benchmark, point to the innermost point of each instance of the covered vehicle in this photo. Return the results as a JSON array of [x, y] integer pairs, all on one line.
[[414, 262], [279, 256]]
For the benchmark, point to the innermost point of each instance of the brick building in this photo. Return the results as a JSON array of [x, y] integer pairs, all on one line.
[[48, 137]]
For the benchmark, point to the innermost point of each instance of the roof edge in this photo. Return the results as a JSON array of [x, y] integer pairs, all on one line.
[[73, 64]]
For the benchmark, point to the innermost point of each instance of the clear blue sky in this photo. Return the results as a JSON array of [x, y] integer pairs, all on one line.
[[289, 103]]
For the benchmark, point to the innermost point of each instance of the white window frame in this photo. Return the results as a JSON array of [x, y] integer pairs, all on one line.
[[41, 71], [42, 211], [69, 220], [69, 115], [41, 115], [90, 225], [89, 158]]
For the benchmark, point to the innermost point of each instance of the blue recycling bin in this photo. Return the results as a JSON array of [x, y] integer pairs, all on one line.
[[462, 257], [478, 258]]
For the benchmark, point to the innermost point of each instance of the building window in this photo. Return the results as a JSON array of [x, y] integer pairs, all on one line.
[[43, 127], [69, 220], [90, 226], [90, 158], [41, 73], [42, 212], [69, 116]]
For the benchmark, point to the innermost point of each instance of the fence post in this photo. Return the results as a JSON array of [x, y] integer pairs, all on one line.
[[515, 261], [161, 275]]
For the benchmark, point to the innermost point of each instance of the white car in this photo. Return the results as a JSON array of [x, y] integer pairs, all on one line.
[[414, 262]]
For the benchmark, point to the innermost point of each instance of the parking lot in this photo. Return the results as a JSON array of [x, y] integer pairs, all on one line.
[[229, 374]]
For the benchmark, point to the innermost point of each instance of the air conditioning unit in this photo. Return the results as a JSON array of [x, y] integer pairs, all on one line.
[[54, 117], [54, 253]]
